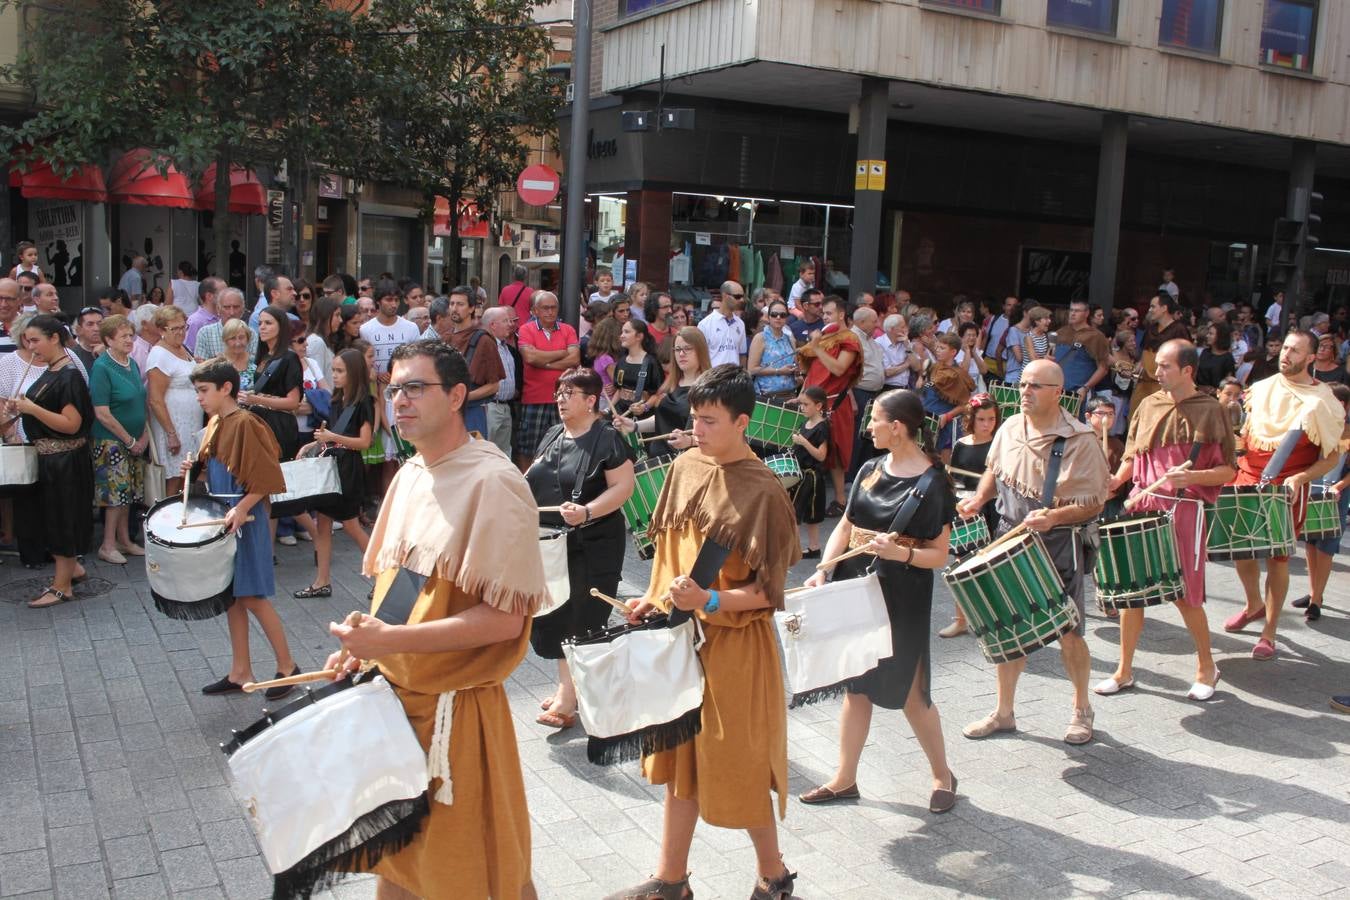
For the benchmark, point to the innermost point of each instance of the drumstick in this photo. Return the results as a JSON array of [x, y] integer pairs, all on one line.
[[187, 486], [18, 388], [859, 551], [353, 620], [612, 601], [208, 522], [550, 509], [965, 473], [659, 437], [1011, 533], [302, 678], [1138, 498]]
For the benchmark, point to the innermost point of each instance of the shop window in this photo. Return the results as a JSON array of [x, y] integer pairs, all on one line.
[[1288, 31], [993, 7], [633, 7], [1085, 15], [1191, 25]]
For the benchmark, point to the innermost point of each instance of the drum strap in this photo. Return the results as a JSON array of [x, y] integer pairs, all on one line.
[[1281, 456], [707, 565], [910, 507], [1052, 472]]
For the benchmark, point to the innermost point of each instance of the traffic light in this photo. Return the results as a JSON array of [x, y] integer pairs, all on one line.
[[1312, 220]]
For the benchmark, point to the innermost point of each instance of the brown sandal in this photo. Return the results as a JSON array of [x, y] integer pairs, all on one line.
[[823, 794], [943, 799], [557, 720], [655, 889], [61, 597]]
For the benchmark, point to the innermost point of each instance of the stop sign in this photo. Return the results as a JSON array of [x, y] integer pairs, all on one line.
[[538, 185]]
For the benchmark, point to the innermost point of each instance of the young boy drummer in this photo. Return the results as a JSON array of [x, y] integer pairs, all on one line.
[[720, 491], [241, 461]]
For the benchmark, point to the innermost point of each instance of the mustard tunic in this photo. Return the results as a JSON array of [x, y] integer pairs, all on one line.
[[479, 846], [741, 752]]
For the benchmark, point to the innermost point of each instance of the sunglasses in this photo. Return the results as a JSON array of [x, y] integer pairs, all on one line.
[[306, 295], [778, 315], [90, 309], [735, 296]]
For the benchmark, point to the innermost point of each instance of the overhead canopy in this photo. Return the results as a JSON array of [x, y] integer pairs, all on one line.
[[135, 179], [470, 225], [41, 183], [247, 195]]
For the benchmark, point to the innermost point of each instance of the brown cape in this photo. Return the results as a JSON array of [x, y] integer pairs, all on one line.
[[952, 383], [740, 505], [1018, 457], [1199, 419], [244, 444]]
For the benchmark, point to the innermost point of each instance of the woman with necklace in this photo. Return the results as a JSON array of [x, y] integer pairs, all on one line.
[[120, 433], [905, 567], [57, 416], [236, 336]]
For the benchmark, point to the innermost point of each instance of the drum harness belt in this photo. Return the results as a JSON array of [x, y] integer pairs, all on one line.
[[1052, 468]]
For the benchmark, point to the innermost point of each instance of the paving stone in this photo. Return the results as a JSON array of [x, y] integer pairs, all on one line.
[[73, 845], [24, 872], [187, 868]]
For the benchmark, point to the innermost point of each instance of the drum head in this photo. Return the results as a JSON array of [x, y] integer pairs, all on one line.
[[164, 518]]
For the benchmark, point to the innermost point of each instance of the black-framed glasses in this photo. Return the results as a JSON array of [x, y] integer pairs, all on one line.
[[778, 315], [1036, 386], [815, 302], [413, 390], [735, 296], [564, 394], [306, 295]]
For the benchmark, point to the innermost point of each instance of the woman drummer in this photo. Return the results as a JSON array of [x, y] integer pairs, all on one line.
[[670, 413], [584, 467], [57, 417], [970, 454], [905, 568]]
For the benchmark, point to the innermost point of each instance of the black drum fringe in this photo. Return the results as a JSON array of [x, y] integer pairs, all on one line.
[[387, 829], [203, 609], [645, 741], [819, 695]]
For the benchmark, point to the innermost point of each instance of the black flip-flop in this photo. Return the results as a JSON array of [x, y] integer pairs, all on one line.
[[61, 597]]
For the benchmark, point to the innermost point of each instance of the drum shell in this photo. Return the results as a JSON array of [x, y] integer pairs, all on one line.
[[833, 633], [553, 550], [307, 778], [968, 535], [1249, 522], [18, 466], [1138, 562], [649, 479], [786, 467], [1323, 521], [310, 482], [773, 425], [190, 565]]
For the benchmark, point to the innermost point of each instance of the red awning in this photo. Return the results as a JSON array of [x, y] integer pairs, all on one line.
[[41, 183], [247, 195], [470, 225], [135, 179]]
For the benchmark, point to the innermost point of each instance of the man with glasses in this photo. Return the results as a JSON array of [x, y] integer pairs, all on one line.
[[812, 309], [1023, 457], [364, 289], [9, 311], [27, 281], [205, 313], [548, 348], [88, 343], [447, 551], [1082, 351], [501, 323], [724, 332], [210, 343]]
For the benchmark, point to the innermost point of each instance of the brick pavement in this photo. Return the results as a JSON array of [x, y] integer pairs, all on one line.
[[111, 783]]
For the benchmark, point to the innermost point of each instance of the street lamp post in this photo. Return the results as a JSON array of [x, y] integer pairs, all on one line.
[[573, 244]]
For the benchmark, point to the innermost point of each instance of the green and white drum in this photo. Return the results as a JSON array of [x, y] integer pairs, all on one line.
[[1007, 396], [1012, 598], [1323, 521], [650, 477], [969, 534], [1250, 521], [634, 440], [773, 424], [865, 421], [1138, 562], [1070, 403], [786, 467]]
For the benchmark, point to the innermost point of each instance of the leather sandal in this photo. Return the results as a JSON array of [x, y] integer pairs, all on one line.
[[556, 720], [325, 590], [61, 597], [778, 889], [823, 794], [943, 799], [990, 724], [655, 889]]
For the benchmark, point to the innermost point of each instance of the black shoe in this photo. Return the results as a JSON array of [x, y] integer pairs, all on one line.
[[311, 591], [1341, 703], [811, 554], [834, 511], [277, 693], [1314, 612], [223, 686], [1301, 602]]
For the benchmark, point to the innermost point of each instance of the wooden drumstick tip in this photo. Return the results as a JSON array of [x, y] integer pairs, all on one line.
[[857, 551], [1138, 498], [612, 601], [303, 678]]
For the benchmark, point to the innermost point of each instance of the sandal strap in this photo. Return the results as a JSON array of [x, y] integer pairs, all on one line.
[[778, 889], [656, 889]]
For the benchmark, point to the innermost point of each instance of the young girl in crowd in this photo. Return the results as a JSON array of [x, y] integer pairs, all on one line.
[[811, 444]]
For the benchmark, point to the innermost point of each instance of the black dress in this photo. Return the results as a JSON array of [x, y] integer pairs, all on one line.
[[594, 551], [671, 413], [277, 378], [351, 469], [628, 374], [65, 488], [808, 498], [873, 502], [974, 458]]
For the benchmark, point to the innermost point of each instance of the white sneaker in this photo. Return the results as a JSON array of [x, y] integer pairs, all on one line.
[[286, 540], [304, 536]]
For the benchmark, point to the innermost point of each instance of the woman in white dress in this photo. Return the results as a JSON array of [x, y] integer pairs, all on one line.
[[184, 287], [175, 417]]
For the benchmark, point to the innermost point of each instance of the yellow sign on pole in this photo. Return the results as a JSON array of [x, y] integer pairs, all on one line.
[[876, 175], [860, 175]]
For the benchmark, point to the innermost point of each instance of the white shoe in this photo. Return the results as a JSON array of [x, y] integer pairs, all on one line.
[[1111, 686], [303, 535], [1202, 691], [286, 540]]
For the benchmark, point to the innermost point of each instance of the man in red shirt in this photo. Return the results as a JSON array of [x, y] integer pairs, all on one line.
[[517, 294], [548, 348]]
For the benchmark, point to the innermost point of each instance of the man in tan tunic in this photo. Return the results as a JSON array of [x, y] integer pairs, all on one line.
[[726, 774], [454, 515]]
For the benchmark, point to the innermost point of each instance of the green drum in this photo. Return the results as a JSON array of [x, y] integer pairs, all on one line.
[[1012, 598], [650, 477], [634, 440], [1323, 521], [1070, 402], [969, 534], [1250, 521], [1007, 396], [786, 467], [1138, 562], [865, 422], [773, 424]]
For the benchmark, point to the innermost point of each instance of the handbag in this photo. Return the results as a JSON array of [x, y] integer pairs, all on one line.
[[154, 479], [321, 401], [310, 482]]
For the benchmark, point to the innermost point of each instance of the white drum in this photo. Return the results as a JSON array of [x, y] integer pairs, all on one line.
[[786, 467], [334, 776], [191, 570], [831, 634], [18, 465], [553, 548], [310, 482]]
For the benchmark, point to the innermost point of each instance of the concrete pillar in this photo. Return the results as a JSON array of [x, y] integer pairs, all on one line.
[[647, 236], [1302, 170], [1106, 216], [869, 189]]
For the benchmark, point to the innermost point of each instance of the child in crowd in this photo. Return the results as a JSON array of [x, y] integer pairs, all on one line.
[[27, 254], [811, 445], [946, 394]]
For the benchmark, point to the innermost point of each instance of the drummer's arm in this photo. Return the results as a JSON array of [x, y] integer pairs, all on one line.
[[478, 626], [1123, 474], [1072, 514], [1323, 465], [619, 484], [234, 519], [835, 545]]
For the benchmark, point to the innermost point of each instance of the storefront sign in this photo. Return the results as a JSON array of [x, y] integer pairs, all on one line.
[[1054, 276], [55, 227], [330, 186], [276, 210], [703, 239], [601, 149]]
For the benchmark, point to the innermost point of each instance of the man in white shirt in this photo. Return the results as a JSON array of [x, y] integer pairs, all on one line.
[[806, 279], [724, 332], [500, 322], [870, 381], [898, 360], [386, 333], [1273, 314]]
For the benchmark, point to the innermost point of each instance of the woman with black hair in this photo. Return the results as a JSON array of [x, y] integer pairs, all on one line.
[[57, 416], [637, 375], [905, 567], [277, 383]]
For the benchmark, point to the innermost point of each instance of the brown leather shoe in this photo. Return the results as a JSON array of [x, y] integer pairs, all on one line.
[[823, 794], [655, 889], [943, 799]]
